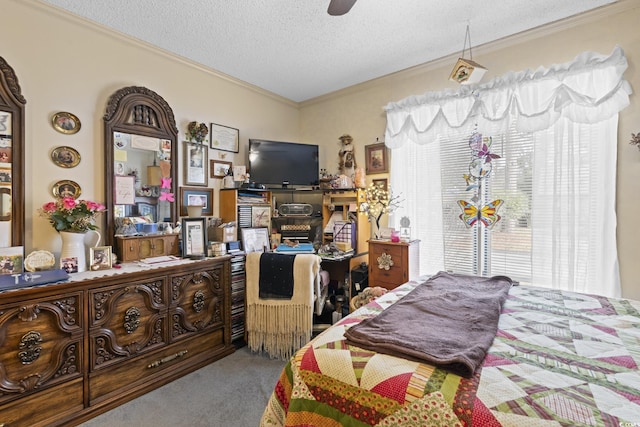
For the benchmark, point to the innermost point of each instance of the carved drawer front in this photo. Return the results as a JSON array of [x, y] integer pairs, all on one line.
[[126, 320], [45, 408], [40, 345], [197, 302], [139, 372]]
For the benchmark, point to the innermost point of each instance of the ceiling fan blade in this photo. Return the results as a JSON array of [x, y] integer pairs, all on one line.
[[340, 7]]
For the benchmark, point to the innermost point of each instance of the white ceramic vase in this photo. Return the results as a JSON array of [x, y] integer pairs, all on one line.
[[74, 245]]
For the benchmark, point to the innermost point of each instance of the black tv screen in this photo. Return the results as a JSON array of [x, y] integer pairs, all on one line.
[[274, 163]]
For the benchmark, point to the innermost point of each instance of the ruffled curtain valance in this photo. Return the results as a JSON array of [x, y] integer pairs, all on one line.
[[587, 90]]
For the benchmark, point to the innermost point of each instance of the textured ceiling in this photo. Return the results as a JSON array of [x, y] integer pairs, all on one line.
[[293, 48]]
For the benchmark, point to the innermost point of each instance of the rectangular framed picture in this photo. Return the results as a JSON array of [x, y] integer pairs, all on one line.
[[219, 168], [195, 164], [5, 175], [194, 237], [192, 196], [239, 173], [69, 264], [225, 138], [5, 123], [100, 258], [260, 216], [376, 158], [255, 239], [6, 155], [381, 183], [124, 190], [12, 260]]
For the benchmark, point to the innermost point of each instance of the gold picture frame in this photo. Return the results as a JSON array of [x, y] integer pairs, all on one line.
[[66, 188], [100, 257], [65, 157], [65, 122]]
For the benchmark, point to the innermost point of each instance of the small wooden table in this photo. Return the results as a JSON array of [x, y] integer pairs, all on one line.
[[391, 264]]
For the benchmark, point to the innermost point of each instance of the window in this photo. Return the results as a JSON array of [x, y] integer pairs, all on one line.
[[550, 233], [555, 131]]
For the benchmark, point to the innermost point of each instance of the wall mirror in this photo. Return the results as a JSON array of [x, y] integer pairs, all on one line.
[[141, 155], [11, 158]]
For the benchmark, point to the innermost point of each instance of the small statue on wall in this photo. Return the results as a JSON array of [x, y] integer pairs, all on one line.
[[347, 164]]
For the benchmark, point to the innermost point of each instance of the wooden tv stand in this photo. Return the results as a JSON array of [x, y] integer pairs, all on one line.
[[70, 351]]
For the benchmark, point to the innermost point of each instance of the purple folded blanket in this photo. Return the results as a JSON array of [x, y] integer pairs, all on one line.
[[450, 320]]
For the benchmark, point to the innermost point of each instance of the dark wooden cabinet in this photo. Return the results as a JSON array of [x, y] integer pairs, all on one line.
[[72, 350], [392, 264]]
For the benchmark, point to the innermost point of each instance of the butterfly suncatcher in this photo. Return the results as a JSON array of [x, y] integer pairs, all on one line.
[[488, 214]]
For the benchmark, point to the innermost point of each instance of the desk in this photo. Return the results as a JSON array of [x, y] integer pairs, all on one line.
[[340, 271]]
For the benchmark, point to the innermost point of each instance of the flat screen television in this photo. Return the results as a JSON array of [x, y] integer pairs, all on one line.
[[275, 164]]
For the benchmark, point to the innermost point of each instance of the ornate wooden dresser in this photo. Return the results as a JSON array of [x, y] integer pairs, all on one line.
[[72, 350]]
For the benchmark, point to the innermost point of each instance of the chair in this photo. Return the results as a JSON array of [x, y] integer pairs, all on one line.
[[280, 313]]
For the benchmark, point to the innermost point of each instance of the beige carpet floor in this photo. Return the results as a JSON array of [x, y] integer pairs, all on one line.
[[231, 392]]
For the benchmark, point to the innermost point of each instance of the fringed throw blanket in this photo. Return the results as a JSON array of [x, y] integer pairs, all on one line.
[[281, 326], [276, 276], [450, 320]]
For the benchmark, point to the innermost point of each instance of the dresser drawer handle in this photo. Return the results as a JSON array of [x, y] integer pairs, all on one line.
[[166, 359]]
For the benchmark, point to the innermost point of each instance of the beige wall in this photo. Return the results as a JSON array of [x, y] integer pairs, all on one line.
[[359, 110], [65, 64]]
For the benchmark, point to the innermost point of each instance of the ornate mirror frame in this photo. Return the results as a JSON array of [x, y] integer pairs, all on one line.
[[140, 111], [12, 109]]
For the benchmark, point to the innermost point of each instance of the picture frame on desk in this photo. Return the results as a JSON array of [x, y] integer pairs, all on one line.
[[255, 239], [194, 237], [100, 257], [11, 260]]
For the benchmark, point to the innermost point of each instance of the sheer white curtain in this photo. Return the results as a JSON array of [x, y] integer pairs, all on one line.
[[569, 112], [574, 219]]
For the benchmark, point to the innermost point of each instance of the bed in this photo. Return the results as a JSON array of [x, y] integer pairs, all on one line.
[[557, 359]]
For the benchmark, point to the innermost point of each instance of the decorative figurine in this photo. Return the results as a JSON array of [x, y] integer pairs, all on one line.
[[347, 164]]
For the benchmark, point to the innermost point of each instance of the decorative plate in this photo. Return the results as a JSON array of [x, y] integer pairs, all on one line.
[[65, 157], [39, 260], [65, 122], [66, 188]]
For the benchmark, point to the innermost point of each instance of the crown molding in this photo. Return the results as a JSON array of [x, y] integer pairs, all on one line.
[[621, 6]]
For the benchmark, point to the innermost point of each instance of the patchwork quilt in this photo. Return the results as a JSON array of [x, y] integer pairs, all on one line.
[[558, 359]]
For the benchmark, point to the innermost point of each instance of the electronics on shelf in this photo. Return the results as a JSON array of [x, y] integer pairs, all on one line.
[[295, 209]]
